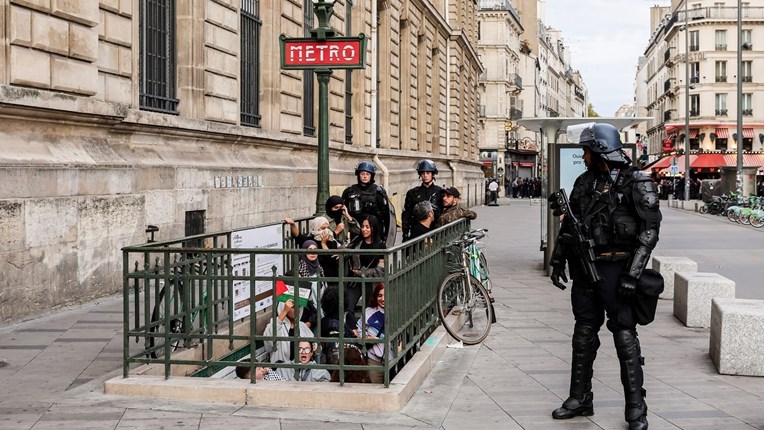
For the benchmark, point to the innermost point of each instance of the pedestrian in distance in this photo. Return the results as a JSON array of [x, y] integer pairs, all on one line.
[[607, 240], [493, 192], [452, 209], [367, 198], [426, 191]]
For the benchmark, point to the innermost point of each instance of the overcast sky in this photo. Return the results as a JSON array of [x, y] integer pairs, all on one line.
[[606, 38]]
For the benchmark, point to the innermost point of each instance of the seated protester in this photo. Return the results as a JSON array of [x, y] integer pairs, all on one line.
[[374, 315], [309, 267], [424, 216], [306, 350], [261, 373], [342, 224], [281, 351], [322, 234], [452, 209], [330, 324], [371, 266], [352, 356]]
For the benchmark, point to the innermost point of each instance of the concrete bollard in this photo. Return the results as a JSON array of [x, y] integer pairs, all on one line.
[[694, 293], [736, 336], [667, 266]]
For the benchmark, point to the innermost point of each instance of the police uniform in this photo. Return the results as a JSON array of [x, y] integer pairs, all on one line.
[[619, 213], [370, 199], [433, 193]]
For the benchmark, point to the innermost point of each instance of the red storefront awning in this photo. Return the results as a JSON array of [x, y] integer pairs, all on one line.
[[693, 133], [747, 133], [708, 160], [721, 133], [748, 160]]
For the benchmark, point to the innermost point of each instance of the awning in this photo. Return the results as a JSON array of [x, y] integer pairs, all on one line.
[[748, 133], [693, 133], [708, 160], [721, 133], [748, 160], [672, 132], [660, 164]]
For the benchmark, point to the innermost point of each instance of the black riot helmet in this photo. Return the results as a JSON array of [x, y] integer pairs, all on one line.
[[600, 138], [365, 166], [427, 166]]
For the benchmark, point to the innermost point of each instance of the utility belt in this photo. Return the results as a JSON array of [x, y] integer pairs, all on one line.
[[613, 256]]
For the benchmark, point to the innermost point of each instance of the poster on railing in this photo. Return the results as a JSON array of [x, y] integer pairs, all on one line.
[[269, 237]]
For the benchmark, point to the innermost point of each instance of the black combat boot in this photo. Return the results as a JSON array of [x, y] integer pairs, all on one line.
[[630, 361], [585, 345]]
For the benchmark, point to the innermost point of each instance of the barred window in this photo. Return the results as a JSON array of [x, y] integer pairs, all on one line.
[[309, 127], [157, 56], [250, 63]]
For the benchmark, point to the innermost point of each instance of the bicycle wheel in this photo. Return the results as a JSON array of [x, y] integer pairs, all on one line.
[[756, 219], [175, 322], [704, 209], [743, 217], [483, 272], [732, 214], [470, 304]]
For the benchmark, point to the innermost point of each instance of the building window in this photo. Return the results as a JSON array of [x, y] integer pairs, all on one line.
[[348, 81], [746, 71], [309, 125], [721, 104], [250, 64], [694, 73], [720, 68], [694, 99], [746, 40], [721, 40], [157, 56], [694, 41], [746, 104]]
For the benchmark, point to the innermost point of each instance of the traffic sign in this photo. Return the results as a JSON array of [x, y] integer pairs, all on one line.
[[674, 169]]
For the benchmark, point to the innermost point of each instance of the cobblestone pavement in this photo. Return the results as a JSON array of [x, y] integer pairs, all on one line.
[[53, 367]]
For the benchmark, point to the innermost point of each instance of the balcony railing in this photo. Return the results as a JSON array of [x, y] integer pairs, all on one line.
[[746, 112], [730, 13], [694, 79], [515, 114], [693, 48], [721, 78], [693, 113], [721, 112], [516, 80], [746, 79], [721, 47]]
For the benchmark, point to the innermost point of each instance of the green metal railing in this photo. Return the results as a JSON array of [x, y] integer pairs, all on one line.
[[178, 300]]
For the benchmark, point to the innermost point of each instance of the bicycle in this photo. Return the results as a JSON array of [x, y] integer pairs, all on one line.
[[462, 294]]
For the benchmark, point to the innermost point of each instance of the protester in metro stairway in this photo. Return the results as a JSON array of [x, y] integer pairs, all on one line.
[[282, 351], [320, 231], [331, 324], [367, 198], [426, 191], [261, 373], [452, 208], [342, 224], [619, 209], [374, 323], [306, 352], [423, 215], [369, 265]]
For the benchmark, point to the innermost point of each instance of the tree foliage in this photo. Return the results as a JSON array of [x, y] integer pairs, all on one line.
[[591, 111]]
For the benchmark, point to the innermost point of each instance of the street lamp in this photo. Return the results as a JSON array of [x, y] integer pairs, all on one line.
[[323, 10]]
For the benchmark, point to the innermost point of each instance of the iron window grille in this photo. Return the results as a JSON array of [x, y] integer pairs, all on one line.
[[157, 56], [721, 112], [250, 63]]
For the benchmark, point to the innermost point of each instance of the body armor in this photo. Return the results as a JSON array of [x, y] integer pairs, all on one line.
[[433, 194], [370, 199]]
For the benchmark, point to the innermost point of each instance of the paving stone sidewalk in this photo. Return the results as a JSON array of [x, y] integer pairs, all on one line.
[[53, 367]]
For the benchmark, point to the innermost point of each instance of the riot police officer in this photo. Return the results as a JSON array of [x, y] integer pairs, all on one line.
[[427, 191], [367, 198], [617, 208]]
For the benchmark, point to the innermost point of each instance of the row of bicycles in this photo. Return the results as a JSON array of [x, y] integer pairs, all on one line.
[[743, 211]]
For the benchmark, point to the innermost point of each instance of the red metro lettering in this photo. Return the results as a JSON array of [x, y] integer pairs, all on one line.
[[322, 53]]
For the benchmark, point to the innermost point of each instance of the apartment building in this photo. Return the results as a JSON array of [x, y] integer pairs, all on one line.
[[710, 56], [121, 113]]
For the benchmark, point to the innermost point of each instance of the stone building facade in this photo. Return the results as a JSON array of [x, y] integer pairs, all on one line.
[[117, 114]]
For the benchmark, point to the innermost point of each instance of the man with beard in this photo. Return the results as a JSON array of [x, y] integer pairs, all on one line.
[[617, 208], [367, 198], [452, 209], [427, 191]]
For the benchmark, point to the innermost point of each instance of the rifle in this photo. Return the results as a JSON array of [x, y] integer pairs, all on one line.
[[583, 247]]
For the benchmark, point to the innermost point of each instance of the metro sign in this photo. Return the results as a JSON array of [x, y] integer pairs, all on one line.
[[331, 53]]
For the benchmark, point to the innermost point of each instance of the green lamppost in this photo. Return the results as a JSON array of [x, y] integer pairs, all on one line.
[[322, 52]]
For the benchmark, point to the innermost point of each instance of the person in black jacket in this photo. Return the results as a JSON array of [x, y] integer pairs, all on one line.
[[427, 191], [618, 210], [367, 198]]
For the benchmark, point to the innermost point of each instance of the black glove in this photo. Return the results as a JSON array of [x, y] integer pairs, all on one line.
[[558, 274], [627, 289]]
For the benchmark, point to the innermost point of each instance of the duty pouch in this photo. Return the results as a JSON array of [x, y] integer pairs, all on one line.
[[649, 286]]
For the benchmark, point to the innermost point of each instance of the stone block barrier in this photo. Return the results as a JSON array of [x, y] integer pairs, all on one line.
[[694, 292], [736, 336], [667, 266]]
